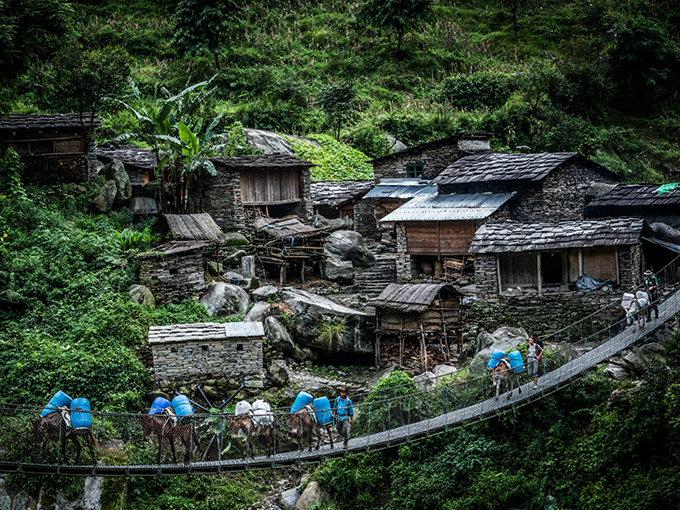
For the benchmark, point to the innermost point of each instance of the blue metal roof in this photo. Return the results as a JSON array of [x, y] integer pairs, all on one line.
[[475, 206], [402, 188]]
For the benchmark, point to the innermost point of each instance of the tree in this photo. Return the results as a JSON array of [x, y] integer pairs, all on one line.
[[338, 101], [205, 25], [396, 15], [29, 29]]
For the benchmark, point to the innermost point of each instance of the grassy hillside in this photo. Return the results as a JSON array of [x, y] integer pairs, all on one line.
[[601, 78]]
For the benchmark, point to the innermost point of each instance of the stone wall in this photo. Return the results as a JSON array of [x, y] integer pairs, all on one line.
[[222, 199], [173, 277], [434, 159], [207, 358], [543, 315], [305, 209], [403, 259], [364, 217], [630, 266]]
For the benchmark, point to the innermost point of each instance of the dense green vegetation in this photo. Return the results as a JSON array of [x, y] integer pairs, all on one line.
[[601, 77]]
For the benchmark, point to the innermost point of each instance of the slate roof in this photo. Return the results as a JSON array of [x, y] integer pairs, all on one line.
[[333, 193], [284, 227], [21, 121], [263, 161], [475, 206], [402, 188], [194, 227], [434, 143], [175, 247], [204, 331], [129, 155], [501, 166], [411, 297], [512, 236], [636, 195]]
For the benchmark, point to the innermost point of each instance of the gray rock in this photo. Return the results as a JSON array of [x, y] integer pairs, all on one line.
[[312, 497], [142, 295], [154, 394], [234, 259], [505, 339], [425, 381], [115, 170], [442, 370], [312, 310], [258, 312], [309, 354], [332, 225], [385, 372], [278, 336], [298, 354], [215, 268], [338, 270], [393, 144], [290, 498], [223, 299], [234, 239], [145, 206], [349, 245], [278, 373], [264, 293], [107, 195], [210, 392], [666, 232], [615, 372], [505, 333], [640, 357]]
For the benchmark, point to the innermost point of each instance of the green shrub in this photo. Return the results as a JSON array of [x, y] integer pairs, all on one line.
[[335, 161], [475, 91]]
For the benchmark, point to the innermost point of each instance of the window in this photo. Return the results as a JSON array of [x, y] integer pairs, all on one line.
[[205, 347], [239, 347], [414, 170]]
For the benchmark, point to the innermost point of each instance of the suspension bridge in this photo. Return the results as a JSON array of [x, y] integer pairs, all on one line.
[[379, 422]]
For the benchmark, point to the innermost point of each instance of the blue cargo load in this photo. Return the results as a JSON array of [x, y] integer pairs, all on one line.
[[60, 399], [322, 410], [516, 362], [303, 398], [182, 406], [496, 357], [159, 405], [80, 413]]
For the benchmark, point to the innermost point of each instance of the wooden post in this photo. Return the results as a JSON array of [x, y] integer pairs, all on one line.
[[439, 244], [401, 350], [377, 350], [302, 273], [540, 276], [446, 353], [423, 349], [616, 256], [282, 274], [498, 273], [460, 341], [580, 261]]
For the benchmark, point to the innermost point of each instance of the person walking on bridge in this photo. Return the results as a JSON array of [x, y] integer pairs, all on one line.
[[343, 414], [652, 290], [534, 353]]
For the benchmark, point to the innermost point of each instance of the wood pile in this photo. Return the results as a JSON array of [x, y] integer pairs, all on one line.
[[389, 355]]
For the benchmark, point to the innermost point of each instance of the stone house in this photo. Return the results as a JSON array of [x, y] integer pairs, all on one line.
[[419, 163], [246, 187], [50, 146], [341, 199], [648, 201], [207, 350], [415, 325], [174, 271]]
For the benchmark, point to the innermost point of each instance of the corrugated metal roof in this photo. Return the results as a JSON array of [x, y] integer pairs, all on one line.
[[204, 331], [475, 206], [402, 188]]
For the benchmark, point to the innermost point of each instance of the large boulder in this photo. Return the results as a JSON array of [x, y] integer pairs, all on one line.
[[349, 245], [234, 239], [278, 336], [666, 232], [142, 295], [115, 170], [338, 270], [443, 370], [332, 225], [312, 497], [289, 498], [258, 312], [278, 373], [640, 357], [264, 293], [107, 195], [311, 311], [504, 339], [425, 381], [224, 299], [615, 372]]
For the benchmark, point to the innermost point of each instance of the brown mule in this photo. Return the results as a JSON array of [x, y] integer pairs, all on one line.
[[166, 428], [252, 429], [56, 426], [303, 424]]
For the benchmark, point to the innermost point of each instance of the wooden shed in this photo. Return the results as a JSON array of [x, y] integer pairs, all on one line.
[[415, 324], [51, 146]]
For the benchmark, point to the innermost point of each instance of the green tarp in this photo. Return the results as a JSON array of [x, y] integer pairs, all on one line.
[[667, 188]]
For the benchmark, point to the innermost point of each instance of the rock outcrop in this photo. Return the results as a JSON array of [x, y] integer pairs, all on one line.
[[348, 245], [142, 295], [224, 299]]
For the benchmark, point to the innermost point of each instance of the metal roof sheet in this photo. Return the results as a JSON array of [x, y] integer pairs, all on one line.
[[402, 188], [475, 206]]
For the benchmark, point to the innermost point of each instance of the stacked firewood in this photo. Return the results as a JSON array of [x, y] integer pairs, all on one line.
[[389, 355]]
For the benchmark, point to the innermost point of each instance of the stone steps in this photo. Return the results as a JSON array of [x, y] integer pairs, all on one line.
[[374, 279]]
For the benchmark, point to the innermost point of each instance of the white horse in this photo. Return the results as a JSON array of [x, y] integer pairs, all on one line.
[[636, 308]]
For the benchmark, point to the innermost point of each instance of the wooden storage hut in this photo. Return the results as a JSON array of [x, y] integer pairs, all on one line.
[[246, 187], [140, 163], [206, 350], [415, 325], [340, 199], [51, 146]]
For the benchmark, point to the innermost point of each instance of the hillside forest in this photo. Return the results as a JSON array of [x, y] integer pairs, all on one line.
[[598, 77]]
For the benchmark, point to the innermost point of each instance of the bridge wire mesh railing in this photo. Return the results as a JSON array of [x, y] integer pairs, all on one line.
[[400, 413]]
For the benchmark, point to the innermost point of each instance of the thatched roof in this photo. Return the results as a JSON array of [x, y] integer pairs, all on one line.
[[194, 227], [411, 297]]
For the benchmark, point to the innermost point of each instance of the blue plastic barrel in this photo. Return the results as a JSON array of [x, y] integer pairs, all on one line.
[[60, 399], [80, 419], [303, 398], [182, 406], [322, 410], [516, 362], [159, 405], [496, 357]]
